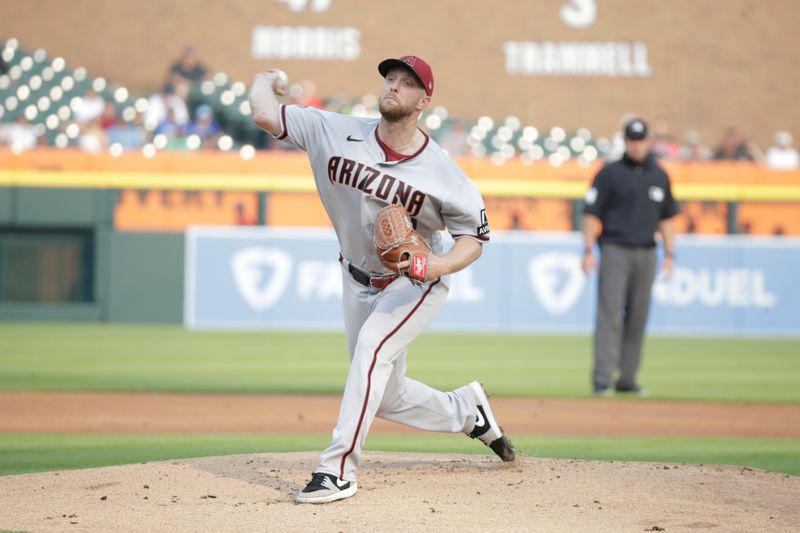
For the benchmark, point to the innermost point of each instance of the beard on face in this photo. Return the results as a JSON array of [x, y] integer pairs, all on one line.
[[395, 113]]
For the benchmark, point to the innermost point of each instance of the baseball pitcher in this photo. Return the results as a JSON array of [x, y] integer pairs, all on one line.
[[394, 270]]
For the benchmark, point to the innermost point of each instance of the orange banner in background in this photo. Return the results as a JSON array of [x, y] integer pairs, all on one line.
[[174, 210], [295, 163]]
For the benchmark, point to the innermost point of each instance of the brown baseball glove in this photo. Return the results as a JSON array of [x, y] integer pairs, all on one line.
[[397, 241]]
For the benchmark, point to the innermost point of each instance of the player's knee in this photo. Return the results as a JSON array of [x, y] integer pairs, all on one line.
[[372, 344]]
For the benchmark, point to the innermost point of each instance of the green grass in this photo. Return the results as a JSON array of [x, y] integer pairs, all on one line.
[[98, 357], [21, 453]]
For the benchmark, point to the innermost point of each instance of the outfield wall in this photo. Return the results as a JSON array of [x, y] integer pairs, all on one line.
[[62, 259], [262, 278], [102, 238], [175, 190]]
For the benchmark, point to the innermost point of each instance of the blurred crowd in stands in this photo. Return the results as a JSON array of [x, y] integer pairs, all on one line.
[[42, 102]]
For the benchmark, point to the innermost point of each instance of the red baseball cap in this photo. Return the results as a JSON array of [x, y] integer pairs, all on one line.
[[417, 65]]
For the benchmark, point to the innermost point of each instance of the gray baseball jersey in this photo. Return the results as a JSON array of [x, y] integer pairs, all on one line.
[[355, 179]]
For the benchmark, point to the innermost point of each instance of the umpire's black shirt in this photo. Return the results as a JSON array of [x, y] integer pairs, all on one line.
[[631, 198]]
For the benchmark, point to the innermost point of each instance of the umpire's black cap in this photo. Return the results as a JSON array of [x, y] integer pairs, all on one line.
[[636, 129]]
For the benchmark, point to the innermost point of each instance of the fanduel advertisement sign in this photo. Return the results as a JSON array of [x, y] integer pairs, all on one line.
[[269, 278]]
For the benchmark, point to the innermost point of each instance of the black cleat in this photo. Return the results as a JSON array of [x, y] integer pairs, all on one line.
[[486, 429], [324, 488]]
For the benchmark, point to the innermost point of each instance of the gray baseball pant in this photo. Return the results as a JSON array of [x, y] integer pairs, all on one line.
[[380, 326], [623, 302]]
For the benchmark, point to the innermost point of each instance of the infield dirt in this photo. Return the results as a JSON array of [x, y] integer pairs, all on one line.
[[403, 492], [227, 413]]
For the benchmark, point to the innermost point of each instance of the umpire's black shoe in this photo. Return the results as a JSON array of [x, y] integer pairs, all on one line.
[[635, 390], [325, 488], [486, 429]]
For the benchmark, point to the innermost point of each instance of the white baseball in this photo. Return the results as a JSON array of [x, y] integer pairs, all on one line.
[[281, 82]]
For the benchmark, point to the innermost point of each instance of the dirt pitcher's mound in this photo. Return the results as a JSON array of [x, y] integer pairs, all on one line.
[[403, 492]]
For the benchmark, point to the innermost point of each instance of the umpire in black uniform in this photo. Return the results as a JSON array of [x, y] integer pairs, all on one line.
[[628, 202]]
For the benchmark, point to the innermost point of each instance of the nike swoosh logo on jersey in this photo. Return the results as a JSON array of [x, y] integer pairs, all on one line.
[[354, 140]]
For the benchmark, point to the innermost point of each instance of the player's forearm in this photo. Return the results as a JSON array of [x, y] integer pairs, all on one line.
[[264, 104], [590, 228], [464, 251], [667, 229]]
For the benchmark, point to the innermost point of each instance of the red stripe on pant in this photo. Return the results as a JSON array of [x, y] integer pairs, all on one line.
[[369, 376]]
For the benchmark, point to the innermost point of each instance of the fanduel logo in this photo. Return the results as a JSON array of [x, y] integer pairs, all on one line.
[[262, 276], [251, 271], [557, 280], [732, 287], [319, 280]]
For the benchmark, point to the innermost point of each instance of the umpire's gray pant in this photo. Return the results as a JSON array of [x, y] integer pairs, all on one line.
[[624, 289]]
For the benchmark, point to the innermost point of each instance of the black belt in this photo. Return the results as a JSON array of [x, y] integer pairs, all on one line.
[[366, 279], [626, 244]]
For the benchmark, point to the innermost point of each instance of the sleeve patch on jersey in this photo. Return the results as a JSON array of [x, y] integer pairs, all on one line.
[[591, 196], [656, 194], [483, 229]]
